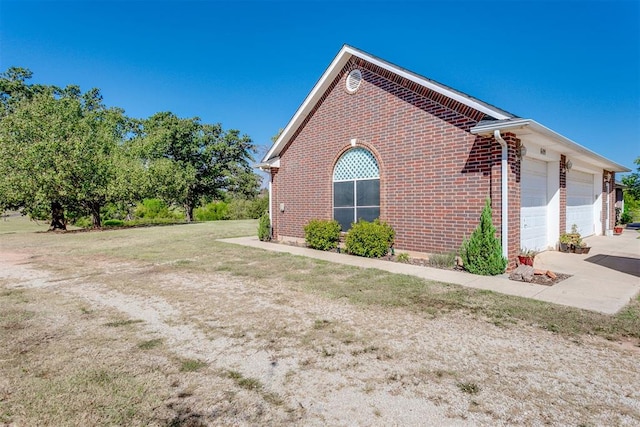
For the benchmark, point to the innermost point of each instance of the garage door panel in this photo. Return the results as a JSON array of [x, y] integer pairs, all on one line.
[[580, 202], [533, 205]]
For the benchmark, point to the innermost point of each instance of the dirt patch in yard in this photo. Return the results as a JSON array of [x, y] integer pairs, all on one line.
[[146, 343]]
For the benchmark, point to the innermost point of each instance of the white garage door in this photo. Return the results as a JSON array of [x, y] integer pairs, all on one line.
[[533, 205], [580, 202]]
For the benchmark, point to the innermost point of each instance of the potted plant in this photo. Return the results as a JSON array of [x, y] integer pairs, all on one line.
[[575, 239], [582, 248], [565, 242], [526, 256], [617, 229]]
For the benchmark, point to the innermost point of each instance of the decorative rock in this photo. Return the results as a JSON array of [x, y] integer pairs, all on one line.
[[523, 273]]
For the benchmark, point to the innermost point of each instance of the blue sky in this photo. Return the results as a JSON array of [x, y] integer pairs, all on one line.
[[573, 66]]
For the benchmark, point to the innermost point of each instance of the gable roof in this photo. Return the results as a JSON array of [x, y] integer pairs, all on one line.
[[495, 118], [343, 56]]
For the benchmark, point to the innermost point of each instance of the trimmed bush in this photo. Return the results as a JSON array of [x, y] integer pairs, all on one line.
[[370, 239], [264, 227], [482, 253], [323, 234]]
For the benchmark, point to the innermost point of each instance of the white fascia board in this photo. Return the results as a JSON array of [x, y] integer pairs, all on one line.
[[562, 144], [487, 129], [336, 65]]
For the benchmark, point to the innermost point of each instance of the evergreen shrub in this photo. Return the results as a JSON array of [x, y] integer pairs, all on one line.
[[482, 253], [264, 227]]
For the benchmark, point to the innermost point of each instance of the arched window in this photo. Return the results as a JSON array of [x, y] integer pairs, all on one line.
[[356, 188]]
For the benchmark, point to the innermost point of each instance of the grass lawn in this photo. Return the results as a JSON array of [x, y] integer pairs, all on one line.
[[193, 247], [105, 367]]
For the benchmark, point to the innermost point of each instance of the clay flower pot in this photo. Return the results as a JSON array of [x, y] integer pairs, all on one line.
[[526, 260]]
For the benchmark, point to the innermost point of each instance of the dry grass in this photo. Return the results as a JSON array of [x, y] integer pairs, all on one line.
[[66, 360]]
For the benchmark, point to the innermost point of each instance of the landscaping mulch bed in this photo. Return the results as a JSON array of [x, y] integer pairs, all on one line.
[[538, 279], [541, 279]]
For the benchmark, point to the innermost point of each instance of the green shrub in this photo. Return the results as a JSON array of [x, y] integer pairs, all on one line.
[[154, 208], [113, 223], [213, 211], [370, 239], [118, 210], [482, 253], [83, 222], [323, 234], [625, 218], [404, 257], [257, 206], [264, 227]]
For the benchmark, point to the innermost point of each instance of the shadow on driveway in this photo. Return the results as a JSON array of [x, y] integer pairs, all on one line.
[[619, 263]]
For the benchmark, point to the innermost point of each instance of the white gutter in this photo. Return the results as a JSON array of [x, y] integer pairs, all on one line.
[[505, 193], [566, 146]]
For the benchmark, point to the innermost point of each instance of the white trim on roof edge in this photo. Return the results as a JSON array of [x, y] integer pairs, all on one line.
[[562, 144], [343, 56]]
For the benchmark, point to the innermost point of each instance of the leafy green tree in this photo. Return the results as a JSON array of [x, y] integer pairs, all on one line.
[[61, 150], [14, 89], [632, 181], [189, 162], [482, 253]]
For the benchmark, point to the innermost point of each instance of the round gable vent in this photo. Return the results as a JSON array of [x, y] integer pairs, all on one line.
[[354, 79]]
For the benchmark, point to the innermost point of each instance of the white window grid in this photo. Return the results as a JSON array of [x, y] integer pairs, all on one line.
[[356, 164]]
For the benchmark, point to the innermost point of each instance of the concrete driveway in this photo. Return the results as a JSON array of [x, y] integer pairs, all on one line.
[[605, 280]]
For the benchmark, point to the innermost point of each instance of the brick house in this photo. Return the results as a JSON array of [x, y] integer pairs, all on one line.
[[375, 140]]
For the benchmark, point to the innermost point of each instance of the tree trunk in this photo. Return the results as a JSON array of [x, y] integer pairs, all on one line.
[[57, 217], [95, 215], [188, 208]]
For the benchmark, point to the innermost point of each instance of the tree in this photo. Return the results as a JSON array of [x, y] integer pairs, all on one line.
[[14, 89], [189, 162], [482, 253], [632, 181], [61, 150]]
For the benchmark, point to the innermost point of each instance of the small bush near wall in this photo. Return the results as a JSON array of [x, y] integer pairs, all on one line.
[[482, 253], [264, 228], [370, 239], [323, 234]]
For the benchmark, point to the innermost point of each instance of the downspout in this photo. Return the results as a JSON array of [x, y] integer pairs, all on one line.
[[505, 192]]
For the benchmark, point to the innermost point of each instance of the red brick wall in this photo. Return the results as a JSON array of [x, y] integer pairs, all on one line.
[[435, 175], [611, 197]]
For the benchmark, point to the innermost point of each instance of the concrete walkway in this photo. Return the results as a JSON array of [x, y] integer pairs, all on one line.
[[605, 280]]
